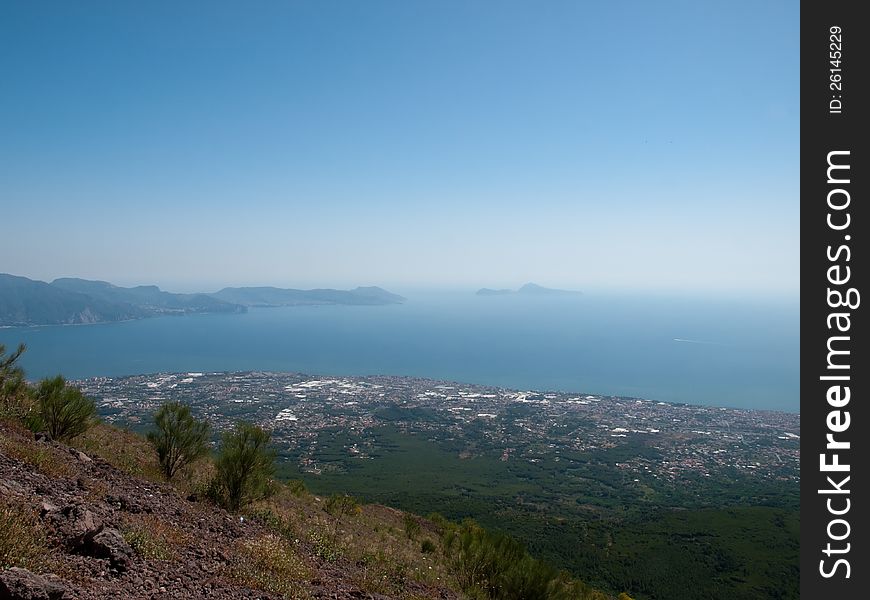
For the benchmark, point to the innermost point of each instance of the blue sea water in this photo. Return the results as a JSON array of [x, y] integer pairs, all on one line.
[[711, 352]]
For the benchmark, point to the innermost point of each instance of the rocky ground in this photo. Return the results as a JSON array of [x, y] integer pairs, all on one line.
[[85, 529]]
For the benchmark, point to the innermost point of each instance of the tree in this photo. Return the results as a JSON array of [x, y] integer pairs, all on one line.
[[13, 387], [62, 410], [245, 466], [339, 505], [179, 438], [495, 566]]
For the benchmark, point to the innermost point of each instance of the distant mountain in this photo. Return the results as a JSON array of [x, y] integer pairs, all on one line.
[[530, 289], [491, 292], [533, 289], [70, 300], [148, 297], [272, 296], [24, 301]]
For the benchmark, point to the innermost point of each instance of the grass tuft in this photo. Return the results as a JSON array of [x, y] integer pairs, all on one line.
[[325, 545], [43, 458], [153, 538], [22, 537], [122, 449], [269, 564]]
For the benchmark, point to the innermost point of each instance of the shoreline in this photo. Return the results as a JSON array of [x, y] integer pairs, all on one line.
[[431, 380]]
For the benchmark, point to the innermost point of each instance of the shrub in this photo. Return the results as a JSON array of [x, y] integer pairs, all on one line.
[[383, 574], [179, 438], [210, 489], [245, 466], [281, 525], [324, 546], [427, 546], [412, 526], [15, 398], [61, 410], [339, 505], [439, 520], [496, 566], [11, 374], [297, 487], [123, 449]]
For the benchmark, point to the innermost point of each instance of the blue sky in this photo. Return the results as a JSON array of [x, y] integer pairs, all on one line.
[[627, 145]]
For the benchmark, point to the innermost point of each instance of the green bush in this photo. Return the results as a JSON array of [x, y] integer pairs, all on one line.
[[495, 566], [179, 438], [412, 526], [282, 526], [427, 546], [245, 467], [15, 398], [324, 546], [61, 410], [439, 520], [297, 487], [339, 505]]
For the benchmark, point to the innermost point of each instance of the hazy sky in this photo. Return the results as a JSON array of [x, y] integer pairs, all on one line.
[[468, 143]]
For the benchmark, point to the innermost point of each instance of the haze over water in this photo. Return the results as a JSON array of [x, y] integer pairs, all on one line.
[[711, 352]]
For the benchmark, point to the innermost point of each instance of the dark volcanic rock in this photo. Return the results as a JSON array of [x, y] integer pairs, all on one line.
[[109, 543], [83, 509], [47, 508], [21, 584], [75, 523]]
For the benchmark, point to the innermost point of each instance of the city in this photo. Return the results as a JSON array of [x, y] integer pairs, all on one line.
[[675, 441]]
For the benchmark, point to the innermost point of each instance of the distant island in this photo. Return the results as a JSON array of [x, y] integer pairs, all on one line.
[[530, 289], [272, 296], [72, 301]]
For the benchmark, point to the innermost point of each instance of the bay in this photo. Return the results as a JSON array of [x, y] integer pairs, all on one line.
[[707, 351]]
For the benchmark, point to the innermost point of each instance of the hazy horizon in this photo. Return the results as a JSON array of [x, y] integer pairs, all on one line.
[[426, 288], [401, 144]]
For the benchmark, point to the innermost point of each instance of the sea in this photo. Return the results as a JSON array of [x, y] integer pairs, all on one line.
[[709, 351]]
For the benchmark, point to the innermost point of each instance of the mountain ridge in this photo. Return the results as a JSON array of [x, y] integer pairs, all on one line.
[[26, 301], [75, 301], [269, 296], [528, 289]]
